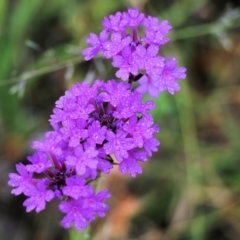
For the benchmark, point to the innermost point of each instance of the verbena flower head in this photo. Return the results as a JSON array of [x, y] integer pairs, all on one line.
[[95, 127], [98, 126], [55, 179], [99, 121], [135, 51]]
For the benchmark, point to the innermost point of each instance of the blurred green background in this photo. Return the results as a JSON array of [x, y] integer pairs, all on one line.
[[190, 189]]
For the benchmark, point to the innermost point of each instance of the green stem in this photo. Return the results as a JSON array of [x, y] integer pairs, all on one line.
[[194, 170], [83, 235], [192, 159], [188, 32], [44, 70], [203, 29]]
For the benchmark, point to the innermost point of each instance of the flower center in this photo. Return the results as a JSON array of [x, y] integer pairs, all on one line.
[[107, 120], [104, 115], [57, 177]]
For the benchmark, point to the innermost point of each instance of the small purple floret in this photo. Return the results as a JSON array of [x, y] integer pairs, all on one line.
[[38, 197]]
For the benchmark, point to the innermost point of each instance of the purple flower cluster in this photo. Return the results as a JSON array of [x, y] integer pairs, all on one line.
[[98, 126], [135, 53], [95, 127]]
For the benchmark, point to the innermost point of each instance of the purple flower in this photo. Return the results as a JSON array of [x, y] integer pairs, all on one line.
[[114, 92], [104, 165], [139, 129], [114, 106], [38, 196], [79, 110], [130, 164], [118, 144], [39, 161], [104, 161], [52, 143], [96, 205], [133, 17], [169, 75], [115, 109], [97, 127], [114, 23], [75, 188], [77, 135], [82, 211], [148, 84], [155, 31], [147, 59], [83, 158], [150, 145], [117, 43], [23, 182], [112, 124], [125, 63], [96, 43], [74, 214], [153, 83], [136, 57], [96, 132], [129, 106]]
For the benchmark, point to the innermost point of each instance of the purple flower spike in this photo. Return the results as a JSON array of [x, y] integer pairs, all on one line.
[[136, 55], [98, 126]]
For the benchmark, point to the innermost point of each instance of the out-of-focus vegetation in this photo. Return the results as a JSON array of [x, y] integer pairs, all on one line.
[[190, 189]]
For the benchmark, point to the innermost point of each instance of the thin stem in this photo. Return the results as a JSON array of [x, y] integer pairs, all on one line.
[[55, 162], [83, 235], [188, 32], [135, 34], [203, 29], [192, 159], [44, 70]]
